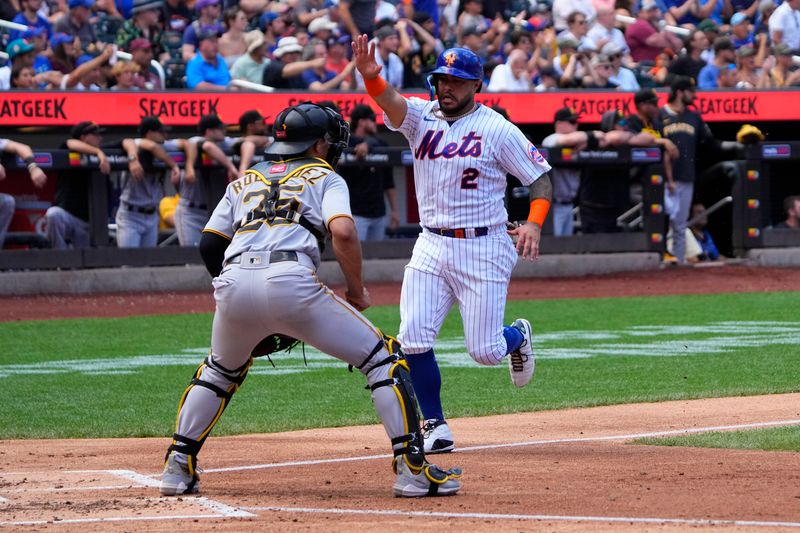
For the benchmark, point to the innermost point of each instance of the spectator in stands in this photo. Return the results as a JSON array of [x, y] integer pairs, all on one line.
[[563, 8], [232, 44], [784, 24], [645, 38], [143, 185], [322, 28], [7, 203], [146, 78], [424, 50], [513, 76], [566, 180], [21, 53], [254, 138], [369, 184], [600, 72], [87, 74], [64, 52], [337, 53], [476, 40], [321, 79], [250, 66], [724, 55], [785, 73], [577, 65], [690, 63], [286, 72], [621, 76], [604, 31], [741, 32], [791, 206], [577, 28], [125, 73], [471, 17], [273, 28], [68, 217], [749, 8], [30, 17], [726, 78], [358, 16], [749, 76], [716, 10], [193, 208], [176, 16], [766, 8], [207, 70], [23, 77], [76, 22], [682, 12], [144, 25], [386, 56], [208, 16], [548, 80]]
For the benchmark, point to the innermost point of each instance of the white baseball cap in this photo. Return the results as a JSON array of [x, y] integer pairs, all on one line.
[[287, 45], [320, 24]]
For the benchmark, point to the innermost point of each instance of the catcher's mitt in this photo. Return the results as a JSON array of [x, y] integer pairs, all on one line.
[[274, 343], [749, 134]]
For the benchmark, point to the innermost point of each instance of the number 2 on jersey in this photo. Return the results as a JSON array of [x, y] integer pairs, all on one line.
[[468, 178]]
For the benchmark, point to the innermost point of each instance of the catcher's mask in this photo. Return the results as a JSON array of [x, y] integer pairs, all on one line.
[[297, 128]]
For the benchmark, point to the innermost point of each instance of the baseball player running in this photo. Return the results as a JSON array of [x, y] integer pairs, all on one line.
[[462, 153], [262, 245]]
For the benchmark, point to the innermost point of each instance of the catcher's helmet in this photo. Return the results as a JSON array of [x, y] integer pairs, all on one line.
[[298, 127], [459, 62]]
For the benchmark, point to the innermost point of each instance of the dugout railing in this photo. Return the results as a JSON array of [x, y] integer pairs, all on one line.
[[647, 237]]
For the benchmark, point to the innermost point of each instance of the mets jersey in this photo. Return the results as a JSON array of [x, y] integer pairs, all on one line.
[[460, 167], [308, 187]]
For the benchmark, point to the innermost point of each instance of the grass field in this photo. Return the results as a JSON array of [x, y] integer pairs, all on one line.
[[123, 377], [786, 439]]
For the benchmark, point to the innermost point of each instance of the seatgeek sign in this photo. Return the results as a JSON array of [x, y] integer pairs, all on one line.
[[184, 108]]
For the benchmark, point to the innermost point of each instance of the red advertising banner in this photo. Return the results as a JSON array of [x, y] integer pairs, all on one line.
[[185, 108]]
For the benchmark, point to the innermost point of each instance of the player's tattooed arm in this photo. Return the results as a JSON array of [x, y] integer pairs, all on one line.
[[527, 236], [541, 188]]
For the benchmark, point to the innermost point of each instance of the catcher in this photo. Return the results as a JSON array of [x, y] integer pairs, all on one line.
[[262, 246]]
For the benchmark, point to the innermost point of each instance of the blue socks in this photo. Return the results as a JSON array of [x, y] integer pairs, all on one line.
[[513, 337], [427, 383]]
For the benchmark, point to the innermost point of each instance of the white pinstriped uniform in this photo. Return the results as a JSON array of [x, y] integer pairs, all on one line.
[[460, 177]]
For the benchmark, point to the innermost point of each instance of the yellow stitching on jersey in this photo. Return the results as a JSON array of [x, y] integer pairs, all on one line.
[[215, 232]]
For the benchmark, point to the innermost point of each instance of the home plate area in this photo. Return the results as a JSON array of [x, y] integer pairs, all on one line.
[[570, 470]]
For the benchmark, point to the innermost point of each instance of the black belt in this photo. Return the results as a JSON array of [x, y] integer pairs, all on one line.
[[193, 205], [274, 257], [458, 233], [139, 209]]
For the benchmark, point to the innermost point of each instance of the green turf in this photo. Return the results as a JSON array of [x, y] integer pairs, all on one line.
[[783, 439], [85, 400]]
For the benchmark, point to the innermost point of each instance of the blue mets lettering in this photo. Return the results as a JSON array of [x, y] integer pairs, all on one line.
[[470, 146]]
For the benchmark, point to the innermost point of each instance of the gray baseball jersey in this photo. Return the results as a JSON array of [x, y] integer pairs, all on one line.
[[148, 191], [311, 187]]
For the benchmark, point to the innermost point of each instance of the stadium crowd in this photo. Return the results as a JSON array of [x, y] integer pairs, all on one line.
[[526, 45]]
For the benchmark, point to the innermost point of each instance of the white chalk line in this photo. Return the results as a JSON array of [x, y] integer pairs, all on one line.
[[531, 517], [219, 509], [542, 442]]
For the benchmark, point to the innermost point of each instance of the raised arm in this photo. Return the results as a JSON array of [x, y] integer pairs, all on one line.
[[392, 102]]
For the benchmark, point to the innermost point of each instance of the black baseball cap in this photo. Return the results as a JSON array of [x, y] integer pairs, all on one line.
[[682, 83], [85, 128], [151, 123], [645, 96], [361, 111], [209, 122], [566, 114], [249, 117]]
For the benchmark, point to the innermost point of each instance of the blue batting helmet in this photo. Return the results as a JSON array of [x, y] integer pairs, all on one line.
[[459, 62]]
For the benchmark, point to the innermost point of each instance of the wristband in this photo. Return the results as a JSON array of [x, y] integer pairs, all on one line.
[[375, 86], [538, 212]]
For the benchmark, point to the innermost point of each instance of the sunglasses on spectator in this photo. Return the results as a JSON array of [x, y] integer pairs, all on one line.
[[580, 21], [615, 56]]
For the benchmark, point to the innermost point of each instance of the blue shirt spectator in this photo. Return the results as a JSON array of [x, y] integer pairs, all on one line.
[[310, 76], [688, 18], [707, 79], [207, 69], [716, 13], [40, 22]]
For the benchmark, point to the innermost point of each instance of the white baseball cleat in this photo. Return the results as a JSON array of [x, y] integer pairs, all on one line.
[[417, 478], [177, 478], [437, 437], [522, 361]]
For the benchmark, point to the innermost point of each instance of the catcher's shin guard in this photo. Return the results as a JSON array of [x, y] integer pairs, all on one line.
[[389, 380], [202, 405]]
